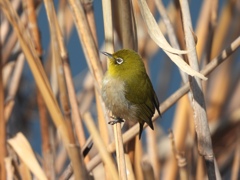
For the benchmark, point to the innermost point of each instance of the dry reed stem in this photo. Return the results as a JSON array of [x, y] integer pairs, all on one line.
[[222, 27], [14, 85], [8, 109], [182, 164], [147, 169], [88, 44], [65, 19], [57, 45], [180, 119], [133, 131], [197, 100], [200, 169], [106, 157], [129, 168], [217, 100], [3, 148], [7, 70], [236, 162], [120, 151], [77, 120], [153, 151], [24, 171], [109, 47], [33, 26], [180, 157], [181, 130], [15, 79], [12, 40], [126, 25], [108, 25], [46, 149], [4, 30], [203, 25], [88, 7], [9, 169], [106, 131], [70, 88], [60, 159], [137, 160]]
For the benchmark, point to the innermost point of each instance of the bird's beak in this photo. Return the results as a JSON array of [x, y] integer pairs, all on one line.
[[107, 54]]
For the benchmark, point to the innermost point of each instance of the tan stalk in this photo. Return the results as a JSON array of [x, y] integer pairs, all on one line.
[[46, 148], [7, 70], [127, 24], [12, 40], [106, 157], [197, 100], [5, 24], [88, 7], [236, 162], [180, 157], [3, 147], [120, 152], [217, 100], [57, 45], [14, 85], [65, 19], [77, 120], [203, 25], [147, 169], [109, 47], [88, 44], [137, 160], [181, 130]]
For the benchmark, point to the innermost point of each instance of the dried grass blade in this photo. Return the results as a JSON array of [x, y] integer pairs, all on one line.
[[22, 147], [160, 40]]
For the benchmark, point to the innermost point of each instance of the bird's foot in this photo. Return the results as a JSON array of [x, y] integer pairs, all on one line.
[[115, 120]]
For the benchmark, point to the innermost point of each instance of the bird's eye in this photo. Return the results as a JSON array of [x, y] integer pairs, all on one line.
[[119, 60]]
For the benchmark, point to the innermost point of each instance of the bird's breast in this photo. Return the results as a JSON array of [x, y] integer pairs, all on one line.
[[113, 94]]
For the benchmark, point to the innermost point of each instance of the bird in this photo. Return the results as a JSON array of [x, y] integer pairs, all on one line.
[[127, 90]]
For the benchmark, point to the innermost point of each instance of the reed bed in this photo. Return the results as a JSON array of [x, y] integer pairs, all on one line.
[[74, 136]]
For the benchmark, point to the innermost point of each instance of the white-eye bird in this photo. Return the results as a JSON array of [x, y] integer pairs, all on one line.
[[127, 90]]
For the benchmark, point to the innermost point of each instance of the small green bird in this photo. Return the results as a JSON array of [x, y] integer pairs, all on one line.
[[127, 90]]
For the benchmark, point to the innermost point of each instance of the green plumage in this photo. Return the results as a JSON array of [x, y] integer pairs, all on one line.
[[127, 90]]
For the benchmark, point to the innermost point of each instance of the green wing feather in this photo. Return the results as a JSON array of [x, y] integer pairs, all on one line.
[[142, 95]]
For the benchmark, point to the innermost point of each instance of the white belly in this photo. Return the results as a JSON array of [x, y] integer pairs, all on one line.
[[113, 94]]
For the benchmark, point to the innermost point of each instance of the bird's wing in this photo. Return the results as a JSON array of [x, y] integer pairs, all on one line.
[[139, 91]]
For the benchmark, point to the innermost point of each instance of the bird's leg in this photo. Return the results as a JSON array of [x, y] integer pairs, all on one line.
[[115, 120]]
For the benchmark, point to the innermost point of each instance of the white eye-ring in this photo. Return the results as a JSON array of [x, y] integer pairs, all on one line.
[[119, 60]]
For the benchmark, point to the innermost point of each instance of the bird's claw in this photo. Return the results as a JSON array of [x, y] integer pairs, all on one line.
[[115, 120]]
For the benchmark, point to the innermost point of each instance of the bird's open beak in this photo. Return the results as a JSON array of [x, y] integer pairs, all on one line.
[[107, 54]]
